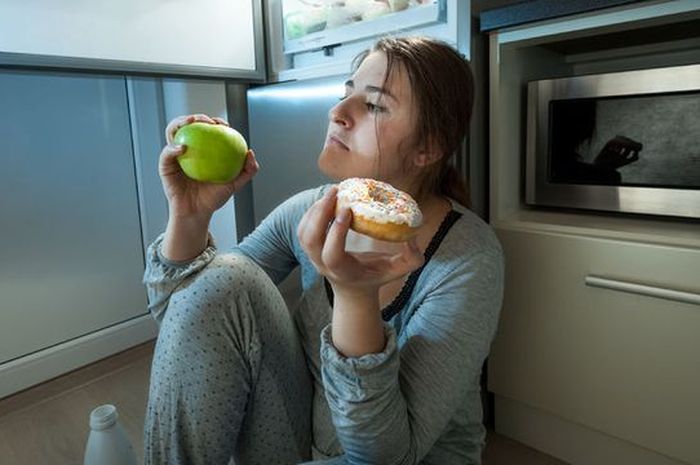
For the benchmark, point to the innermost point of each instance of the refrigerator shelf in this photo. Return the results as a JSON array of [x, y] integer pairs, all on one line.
[[425, 15]]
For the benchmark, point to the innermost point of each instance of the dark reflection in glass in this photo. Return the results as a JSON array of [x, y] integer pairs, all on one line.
[[626, 141], [572, 124]]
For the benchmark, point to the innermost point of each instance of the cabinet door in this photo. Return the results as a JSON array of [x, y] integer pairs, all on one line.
[[620, 363], [71, 260], [137, 36]]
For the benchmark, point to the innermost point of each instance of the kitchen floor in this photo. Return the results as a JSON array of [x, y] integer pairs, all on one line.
[[48, 424]]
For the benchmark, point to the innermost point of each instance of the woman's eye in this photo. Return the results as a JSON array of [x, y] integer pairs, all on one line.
[[374, 108]]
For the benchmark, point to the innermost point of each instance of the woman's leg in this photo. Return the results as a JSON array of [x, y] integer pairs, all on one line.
[[229, 377]]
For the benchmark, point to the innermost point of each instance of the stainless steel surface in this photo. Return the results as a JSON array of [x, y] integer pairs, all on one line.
[[51, 62], [147, 119], [260, 73], [71, 258], [237, 110], [643, 289], [288, 125], [646, 200]]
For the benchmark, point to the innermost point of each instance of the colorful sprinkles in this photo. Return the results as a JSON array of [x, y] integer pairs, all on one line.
[[379, 202]]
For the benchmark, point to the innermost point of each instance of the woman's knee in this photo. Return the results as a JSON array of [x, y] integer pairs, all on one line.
[[223, 296]]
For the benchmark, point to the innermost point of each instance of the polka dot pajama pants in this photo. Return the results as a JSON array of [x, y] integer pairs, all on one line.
[[229, 378]]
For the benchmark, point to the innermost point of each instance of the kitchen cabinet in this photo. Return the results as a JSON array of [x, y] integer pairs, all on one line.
[[214, 38], [592, 374], [620, 363], [81, 199], [71, 255]]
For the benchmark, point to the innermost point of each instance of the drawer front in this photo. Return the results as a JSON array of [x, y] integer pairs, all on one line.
[[622, 363]]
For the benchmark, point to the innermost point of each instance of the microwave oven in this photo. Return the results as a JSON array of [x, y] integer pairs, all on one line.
[[623, 142]]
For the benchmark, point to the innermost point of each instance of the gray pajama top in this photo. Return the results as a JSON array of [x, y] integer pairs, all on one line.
[[418, 401]]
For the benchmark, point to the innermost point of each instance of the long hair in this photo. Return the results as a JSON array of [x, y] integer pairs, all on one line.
[[442, 84]]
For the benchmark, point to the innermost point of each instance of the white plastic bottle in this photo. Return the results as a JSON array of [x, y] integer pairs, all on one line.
[[108, 443]]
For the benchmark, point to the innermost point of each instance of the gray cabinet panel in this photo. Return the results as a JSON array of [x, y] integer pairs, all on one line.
[[71, 259]]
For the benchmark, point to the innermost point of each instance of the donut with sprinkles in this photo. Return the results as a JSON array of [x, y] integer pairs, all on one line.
[[379, 210]]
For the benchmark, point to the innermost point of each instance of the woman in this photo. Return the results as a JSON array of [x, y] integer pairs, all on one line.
[[380, 361]]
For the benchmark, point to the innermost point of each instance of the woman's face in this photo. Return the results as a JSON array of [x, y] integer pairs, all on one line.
[[374, 117]]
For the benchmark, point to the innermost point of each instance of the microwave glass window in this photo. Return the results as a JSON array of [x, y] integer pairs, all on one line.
[[649, 141]]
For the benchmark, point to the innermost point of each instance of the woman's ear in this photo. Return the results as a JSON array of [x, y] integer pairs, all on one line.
[[427, 156]]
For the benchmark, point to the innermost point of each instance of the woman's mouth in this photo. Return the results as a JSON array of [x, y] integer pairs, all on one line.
[[333, 140]]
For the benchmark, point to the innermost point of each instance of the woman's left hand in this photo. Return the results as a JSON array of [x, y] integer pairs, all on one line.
[[322, 235]]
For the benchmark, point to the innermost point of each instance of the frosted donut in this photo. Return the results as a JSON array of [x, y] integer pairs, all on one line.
[[379, 210]]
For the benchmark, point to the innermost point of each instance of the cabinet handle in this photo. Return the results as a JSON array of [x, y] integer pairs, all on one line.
[[643, 289]]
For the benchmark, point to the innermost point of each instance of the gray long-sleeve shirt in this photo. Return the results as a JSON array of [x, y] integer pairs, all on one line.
[[417, 401]]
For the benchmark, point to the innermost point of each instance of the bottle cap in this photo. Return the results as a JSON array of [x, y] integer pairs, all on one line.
[[103, 417]]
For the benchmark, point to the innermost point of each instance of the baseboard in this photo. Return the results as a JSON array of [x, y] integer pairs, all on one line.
[[43, 365], [567, 441]]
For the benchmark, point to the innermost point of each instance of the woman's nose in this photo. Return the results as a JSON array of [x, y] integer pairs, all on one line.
[[339, 114]]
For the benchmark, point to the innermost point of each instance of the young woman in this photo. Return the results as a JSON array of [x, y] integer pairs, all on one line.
[[379, 362]]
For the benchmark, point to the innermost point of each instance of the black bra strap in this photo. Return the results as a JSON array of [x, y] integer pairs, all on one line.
[[394, 307]]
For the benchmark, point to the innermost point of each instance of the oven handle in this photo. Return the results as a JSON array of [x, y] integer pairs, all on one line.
[[643, 289]]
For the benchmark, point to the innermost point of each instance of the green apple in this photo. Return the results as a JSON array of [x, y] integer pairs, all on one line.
[[215, 152]]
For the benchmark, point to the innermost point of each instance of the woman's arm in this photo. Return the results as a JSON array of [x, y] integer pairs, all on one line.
[[355, 279], [191, 203], [269, 245], [357, 324], [185, 237], [391, 407], [184, 248]]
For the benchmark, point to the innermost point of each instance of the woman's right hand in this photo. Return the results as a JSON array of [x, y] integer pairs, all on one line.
[[188, 198]]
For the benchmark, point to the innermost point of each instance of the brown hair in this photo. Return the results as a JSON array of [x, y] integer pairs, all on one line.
[[442, 84]]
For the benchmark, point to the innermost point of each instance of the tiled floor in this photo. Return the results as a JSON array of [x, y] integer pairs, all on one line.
[[48, 424]]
